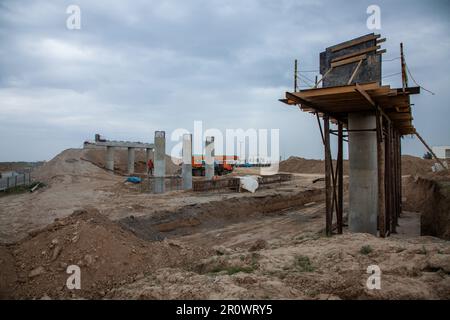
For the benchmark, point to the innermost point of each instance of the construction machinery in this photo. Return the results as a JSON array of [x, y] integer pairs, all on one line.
[[222, 164]]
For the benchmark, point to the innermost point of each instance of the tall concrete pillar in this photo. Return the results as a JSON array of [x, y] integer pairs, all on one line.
[[131, 156], [209, 158], [186, 167], [363, 189], [160, 161], [110, 158]]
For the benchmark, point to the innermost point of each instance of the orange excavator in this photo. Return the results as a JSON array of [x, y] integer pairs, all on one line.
[[222, 165]]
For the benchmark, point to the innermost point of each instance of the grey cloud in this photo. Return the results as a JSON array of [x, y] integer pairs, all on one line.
[[136, 67]]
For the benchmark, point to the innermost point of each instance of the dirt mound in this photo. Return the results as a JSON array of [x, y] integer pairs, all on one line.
[[302, 165], [416, 166], [69, 162], [310, 267], [107, 255], [410, 165]]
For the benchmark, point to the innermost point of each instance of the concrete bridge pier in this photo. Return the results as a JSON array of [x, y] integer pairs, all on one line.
[[363, 188], [209, 158], [186, 167], [110, 158], [160, 161], [131, 157]]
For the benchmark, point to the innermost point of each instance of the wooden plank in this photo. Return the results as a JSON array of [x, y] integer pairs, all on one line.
[[400, 116], [354, 42], [309, 104], [428, 148], [340, 171], [338, 90], [381, 40], [348, 61], [359, 89], [328, 199], [354, 72], [409, 90], [358, 53], [381, 182], [388, 176], [323, 77]]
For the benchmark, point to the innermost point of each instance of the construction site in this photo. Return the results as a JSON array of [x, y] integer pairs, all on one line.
[[212, 226]]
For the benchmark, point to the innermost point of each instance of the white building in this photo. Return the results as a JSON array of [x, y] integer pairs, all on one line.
[[442, 152]]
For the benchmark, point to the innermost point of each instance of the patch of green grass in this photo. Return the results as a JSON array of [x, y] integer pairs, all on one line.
[[366, 249], [423, 250], [230, 270], [21, 189], [234, 270], [303, 264], [15, 190]]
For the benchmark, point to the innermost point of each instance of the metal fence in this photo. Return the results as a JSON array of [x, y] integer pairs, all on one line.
[[171, 183], [15, 181]]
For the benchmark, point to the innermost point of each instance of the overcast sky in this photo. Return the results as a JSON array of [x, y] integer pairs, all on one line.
[[139, 66]]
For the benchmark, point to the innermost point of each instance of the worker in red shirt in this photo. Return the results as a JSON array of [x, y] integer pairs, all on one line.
[[150, 167]]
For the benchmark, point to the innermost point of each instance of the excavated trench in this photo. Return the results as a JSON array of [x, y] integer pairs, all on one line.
[[432, 199], [216, 214]]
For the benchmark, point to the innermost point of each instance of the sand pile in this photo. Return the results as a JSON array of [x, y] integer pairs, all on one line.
[[410, 165], [68, 163], [107, 255], [416, 166], [302, 165]]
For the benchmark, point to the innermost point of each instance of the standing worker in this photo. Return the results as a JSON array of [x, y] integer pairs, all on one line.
[[150, 167]]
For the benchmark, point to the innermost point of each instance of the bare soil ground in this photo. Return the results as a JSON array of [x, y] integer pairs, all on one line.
[[222, 245]]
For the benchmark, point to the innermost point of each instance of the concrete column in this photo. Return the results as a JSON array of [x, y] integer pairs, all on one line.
[[131, 156], [363, 189], [160, 161], [186, 167], [209, 158], [110, 158]]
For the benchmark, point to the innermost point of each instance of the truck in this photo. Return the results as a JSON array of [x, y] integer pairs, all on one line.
[[222, 165]]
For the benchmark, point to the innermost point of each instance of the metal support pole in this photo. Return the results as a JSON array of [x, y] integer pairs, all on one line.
[[295, 76]]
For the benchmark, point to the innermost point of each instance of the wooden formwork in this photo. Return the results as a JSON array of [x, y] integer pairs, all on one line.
[[346, 92], [233, 183]]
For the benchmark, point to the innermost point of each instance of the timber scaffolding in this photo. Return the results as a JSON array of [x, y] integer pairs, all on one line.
[[351, 87]]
